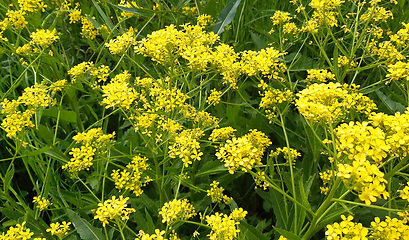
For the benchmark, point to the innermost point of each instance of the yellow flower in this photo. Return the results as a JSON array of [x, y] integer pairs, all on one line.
[[131, 178], [243, 152], [16, 18], [346, 230], [44, 38], [113, 208], [280, 17], [88, 30], [176, 210], [59, 229], [17, 232], [221, 134], [122, 42], [214, 97], [15, 122], [42, 202]]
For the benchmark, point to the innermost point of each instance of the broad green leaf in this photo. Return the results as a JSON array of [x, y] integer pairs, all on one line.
[[209, 9], [65, 115], [84, 228], [258, 40], [255, 234], [103, 15], [278, 202], [401, 3], [390, 104], [139, 11], [287, 234], [7, 179], [211, 167], [151, 225], [226, 16]]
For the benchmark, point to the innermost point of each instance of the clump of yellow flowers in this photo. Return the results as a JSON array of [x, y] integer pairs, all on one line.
[[111, 209], [176, 210], [244, 152]]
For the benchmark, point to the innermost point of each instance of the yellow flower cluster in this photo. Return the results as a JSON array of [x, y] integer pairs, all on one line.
[[42, 38], [18, 232], [377, 14], [404, 194], [360, 141], [131, 178], [243, 152], [122, 42], [112, 209], [189, 10], [94, 141], [221, 134], [88, 30], [365, 179], [118, 93], [186, 146], [272, 100], [214, 97], [332, 101], [36, 96], [59, 229], [75, 14], [391, 228], [17, 121], [33, 97], [396, 128], [42, 202], [266, 61], [80, 70], [280, 17], [402, 36], [176, 210], [193, 44], [320, 75], [216, 193], [293, 153], [386, 51], [398, 70], [224, 226], [31, 5], [346, 230], [344, 61], [326, 179]]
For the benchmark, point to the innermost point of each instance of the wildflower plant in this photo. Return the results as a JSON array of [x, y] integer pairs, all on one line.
[[204, 119]]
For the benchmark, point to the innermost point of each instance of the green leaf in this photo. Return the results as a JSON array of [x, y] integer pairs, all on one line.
[[7, 179], [103, 15], [390, 104], [139, 11], [209, 9], [258, 40], [151, 225], [95, 23], [287, 234], [226, 16], [84, 228], [211, 167], [65, 115], [255, 234]]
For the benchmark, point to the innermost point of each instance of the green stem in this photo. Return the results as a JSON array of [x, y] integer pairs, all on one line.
[[291, 172], [318, 214]]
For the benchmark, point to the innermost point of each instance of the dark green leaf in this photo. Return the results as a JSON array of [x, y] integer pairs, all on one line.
[[103, 15], [390, 104], [255, 234], [84, 228], [7, 179], [226, 16]]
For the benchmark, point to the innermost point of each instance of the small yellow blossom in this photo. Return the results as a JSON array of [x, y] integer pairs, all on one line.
[[59, 229], [42, 202]]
